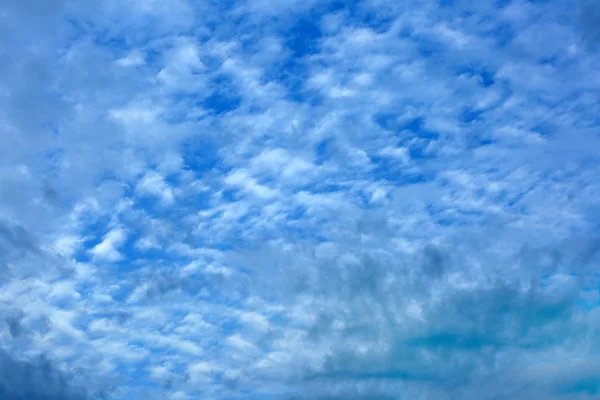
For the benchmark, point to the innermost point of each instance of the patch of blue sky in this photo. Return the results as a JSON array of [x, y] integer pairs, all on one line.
[[502, 34], [303, 36], [201, 155], [107, 40], [590, 386], [405, 129], [454, 217], [485, 74], [396, 173], [501, 3], [224, 96], [479, 139], [323, 149]]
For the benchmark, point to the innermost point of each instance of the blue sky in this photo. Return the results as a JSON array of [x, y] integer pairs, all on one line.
[[299, 200]]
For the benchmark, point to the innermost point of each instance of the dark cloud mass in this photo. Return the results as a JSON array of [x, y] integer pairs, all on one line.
[[473, 335], [13, 322], [36, 379], [590, 17]]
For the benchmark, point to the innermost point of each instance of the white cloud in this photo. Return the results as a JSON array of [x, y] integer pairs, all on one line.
[[67, 245], [108, 248], [401, 153], [248, 184], [182, 67], [133, 59], [153, 183], [200, 372]]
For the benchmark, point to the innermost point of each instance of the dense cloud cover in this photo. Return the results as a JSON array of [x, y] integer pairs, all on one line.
[[35, 380], [591, 22], [361, 200]]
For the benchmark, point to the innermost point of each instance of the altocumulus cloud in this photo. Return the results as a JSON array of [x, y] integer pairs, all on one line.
[[299, 200]]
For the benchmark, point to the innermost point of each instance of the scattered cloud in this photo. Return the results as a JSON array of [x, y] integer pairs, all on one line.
[[241, 200]]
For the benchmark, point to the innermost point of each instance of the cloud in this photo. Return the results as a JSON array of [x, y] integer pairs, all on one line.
[[249, 185], [152, 183], [107, 249], [36, 380], [15, 242], [13, 322], [479, 335], [368, 200], [590, 17]]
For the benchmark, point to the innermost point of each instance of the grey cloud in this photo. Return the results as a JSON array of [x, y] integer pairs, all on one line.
[[433, 263], [590, 18], [14, 323], [159, 281], [35, 380], [16, 244], [22, 255], [482, 340], [15, 240]]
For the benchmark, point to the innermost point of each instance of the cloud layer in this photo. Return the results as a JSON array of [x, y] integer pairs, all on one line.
[[302, 200]]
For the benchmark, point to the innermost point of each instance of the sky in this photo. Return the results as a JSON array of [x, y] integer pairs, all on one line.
[[299, 200]]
